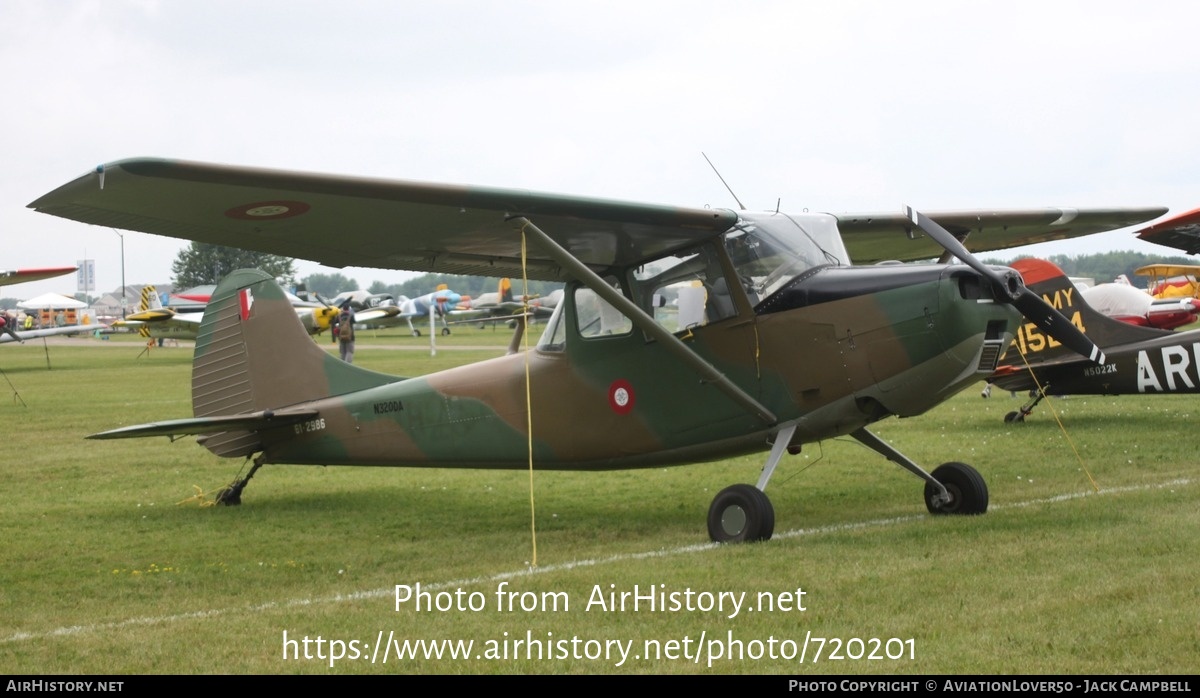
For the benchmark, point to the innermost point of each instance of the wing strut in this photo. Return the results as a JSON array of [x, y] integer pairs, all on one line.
[[644, 322]]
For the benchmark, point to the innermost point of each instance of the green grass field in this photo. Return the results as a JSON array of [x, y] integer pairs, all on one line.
[[112, 566]]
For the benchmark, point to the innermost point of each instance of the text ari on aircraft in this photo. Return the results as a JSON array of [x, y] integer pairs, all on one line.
[[1141, 360]]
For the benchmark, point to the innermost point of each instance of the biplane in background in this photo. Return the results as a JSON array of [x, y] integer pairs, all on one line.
[[794, 345], [1140, 360], [1171, 280]]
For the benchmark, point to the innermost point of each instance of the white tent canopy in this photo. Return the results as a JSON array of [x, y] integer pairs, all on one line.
[[51, 301]]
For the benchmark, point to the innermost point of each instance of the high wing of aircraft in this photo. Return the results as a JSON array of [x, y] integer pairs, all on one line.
[[792, 343], [1140, 360], [1181, 232], [20, 276]]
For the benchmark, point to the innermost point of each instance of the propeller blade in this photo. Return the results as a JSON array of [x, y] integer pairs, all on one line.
[[1056, 325], [1010, 284]]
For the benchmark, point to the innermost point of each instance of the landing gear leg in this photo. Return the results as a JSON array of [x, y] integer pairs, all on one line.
[[1019, 415], [953, 488], [743, 513], [232, 495]]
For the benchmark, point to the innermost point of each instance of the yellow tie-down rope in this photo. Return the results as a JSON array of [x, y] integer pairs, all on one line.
[[1054, 412], [528, 397]]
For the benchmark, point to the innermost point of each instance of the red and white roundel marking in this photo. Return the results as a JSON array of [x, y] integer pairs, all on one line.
[[268, 210], [620, 396]]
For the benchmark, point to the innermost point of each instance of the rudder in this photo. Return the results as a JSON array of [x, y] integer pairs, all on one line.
[[1051, 283], [252, 353]]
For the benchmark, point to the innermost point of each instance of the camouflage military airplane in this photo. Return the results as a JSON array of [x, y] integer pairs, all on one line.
[[794, 344], [1141, 359]]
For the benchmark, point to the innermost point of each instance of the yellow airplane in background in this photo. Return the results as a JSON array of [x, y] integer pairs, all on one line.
[[155, 321], [1172, 280]]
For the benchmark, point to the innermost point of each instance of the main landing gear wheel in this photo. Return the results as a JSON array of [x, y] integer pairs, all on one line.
[[741, 513], [445, 331], [416, 333], [1014, 417], [968, 491]]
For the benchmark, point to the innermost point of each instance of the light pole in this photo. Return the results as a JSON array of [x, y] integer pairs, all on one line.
[[124, 300]]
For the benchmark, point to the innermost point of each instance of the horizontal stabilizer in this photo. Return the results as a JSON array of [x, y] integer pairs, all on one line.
[[253, 421]]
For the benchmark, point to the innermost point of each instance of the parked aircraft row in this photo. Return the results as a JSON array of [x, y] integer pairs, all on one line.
[[19, 276]]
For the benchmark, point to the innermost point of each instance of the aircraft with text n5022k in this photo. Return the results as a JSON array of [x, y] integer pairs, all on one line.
[[793, 344], [1141, 360]]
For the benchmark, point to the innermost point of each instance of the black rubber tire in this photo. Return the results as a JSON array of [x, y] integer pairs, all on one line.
[[968, 491], [740, 514]]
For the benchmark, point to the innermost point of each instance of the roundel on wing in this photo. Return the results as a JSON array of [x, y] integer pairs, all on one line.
[[268, 210], [620, 396]]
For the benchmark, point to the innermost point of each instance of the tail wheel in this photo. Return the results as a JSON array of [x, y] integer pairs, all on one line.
[[968, 491], [741, 513]]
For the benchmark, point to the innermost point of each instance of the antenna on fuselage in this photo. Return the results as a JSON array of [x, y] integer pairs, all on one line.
[[727, 188]]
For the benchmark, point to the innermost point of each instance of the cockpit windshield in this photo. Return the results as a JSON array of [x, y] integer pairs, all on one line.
[[690, 288], [768, 250]]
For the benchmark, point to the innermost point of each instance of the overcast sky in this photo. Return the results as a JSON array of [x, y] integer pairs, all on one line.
[[824, 106]]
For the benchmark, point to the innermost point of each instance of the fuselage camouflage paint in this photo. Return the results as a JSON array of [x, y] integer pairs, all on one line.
[[834, 350]]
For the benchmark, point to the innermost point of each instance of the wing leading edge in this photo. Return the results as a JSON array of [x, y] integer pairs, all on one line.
[[394, 224], [349, 221], [876, 237]]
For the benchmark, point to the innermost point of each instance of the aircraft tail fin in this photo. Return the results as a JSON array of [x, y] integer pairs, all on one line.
[[1049, 281], [253, 354], [149, 299]]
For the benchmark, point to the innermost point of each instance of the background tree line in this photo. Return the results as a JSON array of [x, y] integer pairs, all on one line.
[[1105, 267], [329, 285]]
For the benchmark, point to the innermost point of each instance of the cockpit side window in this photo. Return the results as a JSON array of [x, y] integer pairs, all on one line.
[[684, 290], [595, 317]]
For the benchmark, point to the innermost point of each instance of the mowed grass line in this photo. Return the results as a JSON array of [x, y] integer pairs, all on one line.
[[105, 573]]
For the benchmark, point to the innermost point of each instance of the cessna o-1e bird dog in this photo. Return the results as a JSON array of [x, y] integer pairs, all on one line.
[[794, 344]]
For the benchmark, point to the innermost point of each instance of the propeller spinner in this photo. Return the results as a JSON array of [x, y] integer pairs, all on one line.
[[1010, 287]]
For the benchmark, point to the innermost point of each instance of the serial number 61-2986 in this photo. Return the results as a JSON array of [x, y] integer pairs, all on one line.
[[310, 426]]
